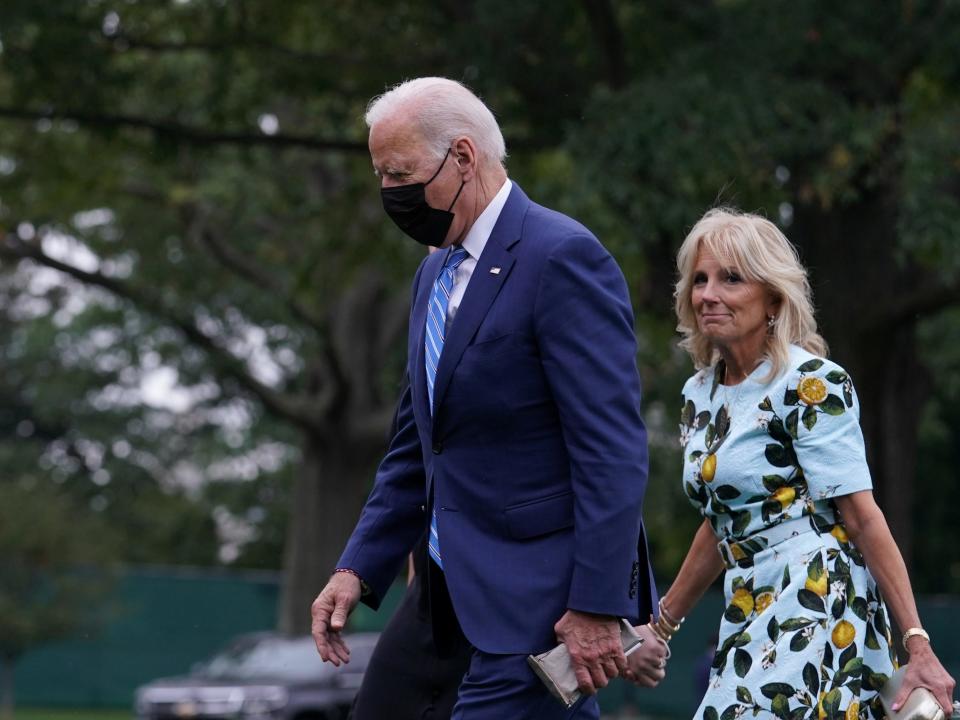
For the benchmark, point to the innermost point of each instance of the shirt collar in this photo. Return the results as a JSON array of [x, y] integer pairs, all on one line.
[[479, 233]]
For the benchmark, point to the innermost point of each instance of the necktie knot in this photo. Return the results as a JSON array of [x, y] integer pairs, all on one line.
[[457, 255]]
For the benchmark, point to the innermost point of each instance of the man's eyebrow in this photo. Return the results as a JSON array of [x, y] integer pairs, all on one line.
[[394, 170]]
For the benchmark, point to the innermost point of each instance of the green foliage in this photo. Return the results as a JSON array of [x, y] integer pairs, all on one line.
[[208, 159], [54, 568], [937, 556]]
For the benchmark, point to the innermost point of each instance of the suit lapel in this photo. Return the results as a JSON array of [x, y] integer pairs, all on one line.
[[482, 290]]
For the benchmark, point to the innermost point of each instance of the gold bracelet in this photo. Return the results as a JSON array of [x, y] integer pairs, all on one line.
[[660, 632], [666, 626], [664, 630], [668, 617], [915, 632]]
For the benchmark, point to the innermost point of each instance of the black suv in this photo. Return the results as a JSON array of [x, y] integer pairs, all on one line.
[[264, 676]]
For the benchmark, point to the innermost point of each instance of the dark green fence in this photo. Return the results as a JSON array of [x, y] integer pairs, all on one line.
[[163, 620], [166, 619]]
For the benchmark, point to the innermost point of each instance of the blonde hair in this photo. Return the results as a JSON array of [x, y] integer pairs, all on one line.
[[444, 110], [758, 251]]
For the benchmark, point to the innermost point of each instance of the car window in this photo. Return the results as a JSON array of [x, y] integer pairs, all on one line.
[[274, 658]]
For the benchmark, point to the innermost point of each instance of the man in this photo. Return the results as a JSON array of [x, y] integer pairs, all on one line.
[[519, 443], [406, 677]]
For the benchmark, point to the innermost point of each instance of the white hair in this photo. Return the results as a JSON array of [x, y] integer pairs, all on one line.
[[443, 110], [755, 248]]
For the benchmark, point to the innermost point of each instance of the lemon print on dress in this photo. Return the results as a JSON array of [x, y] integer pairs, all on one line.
[[784, 495], [843, 634], [852, 711], [819, 584], [763, 601], [840, 533], [709, 468], [812, 390], [743, 599]]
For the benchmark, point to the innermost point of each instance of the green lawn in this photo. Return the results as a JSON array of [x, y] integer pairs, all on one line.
[[64, 714]]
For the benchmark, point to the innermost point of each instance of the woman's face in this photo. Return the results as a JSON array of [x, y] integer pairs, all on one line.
[[731, 311]]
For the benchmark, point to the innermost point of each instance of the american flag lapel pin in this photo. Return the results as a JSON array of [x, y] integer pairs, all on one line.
[[494, 271]]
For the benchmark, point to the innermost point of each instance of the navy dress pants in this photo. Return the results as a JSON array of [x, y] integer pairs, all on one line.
[[503, 687], [407, 677]]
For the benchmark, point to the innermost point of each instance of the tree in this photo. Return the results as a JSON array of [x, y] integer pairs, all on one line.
[[839, 123], [186, 195], [290, 334], [54, 573]]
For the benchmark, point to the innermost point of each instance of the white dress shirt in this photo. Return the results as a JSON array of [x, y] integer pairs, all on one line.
[[474, 243]]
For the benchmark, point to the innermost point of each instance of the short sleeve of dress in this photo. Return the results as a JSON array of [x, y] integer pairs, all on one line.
[[829, 441]]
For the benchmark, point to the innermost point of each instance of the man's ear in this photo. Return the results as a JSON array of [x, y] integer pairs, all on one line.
[[466, 157]]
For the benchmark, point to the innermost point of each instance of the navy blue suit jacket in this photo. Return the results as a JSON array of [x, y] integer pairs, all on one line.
[[535, 453]]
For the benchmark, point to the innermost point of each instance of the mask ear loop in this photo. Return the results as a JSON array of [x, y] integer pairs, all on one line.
[[462, 183], [442, 163]]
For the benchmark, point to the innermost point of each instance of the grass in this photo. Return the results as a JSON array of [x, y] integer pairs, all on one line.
[[68, 714]]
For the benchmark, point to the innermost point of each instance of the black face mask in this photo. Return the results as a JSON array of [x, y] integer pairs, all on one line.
[[407, 207]]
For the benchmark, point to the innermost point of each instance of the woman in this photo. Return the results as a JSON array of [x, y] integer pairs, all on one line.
[[774, 460]]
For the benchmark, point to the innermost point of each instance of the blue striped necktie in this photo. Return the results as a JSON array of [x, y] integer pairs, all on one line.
[[433, 345]]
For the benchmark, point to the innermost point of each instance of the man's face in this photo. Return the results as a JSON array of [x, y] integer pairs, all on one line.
[[400, 157]]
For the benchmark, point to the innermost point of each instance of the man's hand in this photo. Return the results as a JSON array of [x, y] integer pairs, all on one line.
[[646, 664], [330, 611], [596, 653]]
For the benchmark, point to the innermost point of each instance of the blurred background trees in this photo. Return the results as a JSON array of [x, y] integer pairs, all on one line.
[[55, 573], [202, 306]]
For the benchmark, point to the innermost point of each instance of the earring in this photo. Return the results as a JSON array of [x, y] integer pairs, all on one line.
[[771, 319]]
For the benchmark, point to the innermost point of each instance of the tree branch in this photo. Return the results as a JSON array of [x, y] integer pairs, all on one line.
[[185, 134], [122, 43], [201, 231], [925, 300], [291, 408]]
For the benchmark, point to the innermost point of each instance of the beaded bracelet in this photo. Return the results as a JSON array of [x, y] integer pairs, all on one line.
[[364, 588]]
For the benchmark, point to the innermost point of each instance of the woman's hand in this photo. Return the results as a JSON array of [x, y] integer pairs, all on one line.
[[868, 530], [646, 666], [925, 670]]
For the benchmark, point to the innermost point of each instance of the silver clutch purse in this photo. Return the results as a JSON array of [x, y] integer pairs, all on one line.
[[553, 666], [920, 705]]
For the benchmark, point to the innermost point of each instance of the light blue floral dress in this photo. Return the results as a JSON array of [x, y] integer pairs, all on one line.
[[805, 633]]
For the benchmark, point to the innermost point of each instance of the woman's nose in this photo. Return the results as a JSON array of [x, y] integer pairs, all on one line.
[[709, 292]]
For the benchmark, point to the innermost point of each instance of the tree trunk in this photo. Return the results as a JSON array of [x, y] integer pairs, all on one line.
[[331, 485], [6, 687], [857, 279]]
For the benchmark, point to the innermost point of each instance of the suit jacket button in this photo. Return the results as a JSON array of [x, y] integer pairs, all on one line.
[[437, 448]]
